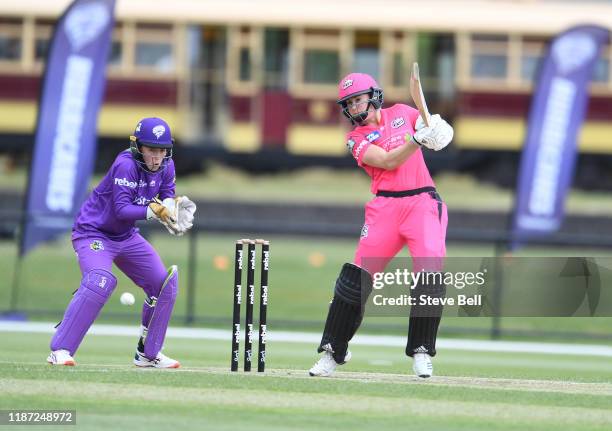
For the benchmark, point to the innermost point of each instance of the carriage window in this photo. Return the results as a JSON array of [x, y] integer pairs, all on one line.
[[366, 56], [115, 56], [213, 47], [10, 40], [395, 53], [154, 47], [318, 56], [489, 56], [489, 66], [245, 64], [399, 74], [116, 52], [533, 48], [529, 67], [41, 47], [602, 70], [157, 55], [321, 66], [276, 57], [42, 39]]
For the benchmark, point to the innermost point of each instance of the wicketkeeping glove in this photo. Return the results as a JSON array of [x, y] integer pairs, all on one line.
[[166, 213], [186, 208]]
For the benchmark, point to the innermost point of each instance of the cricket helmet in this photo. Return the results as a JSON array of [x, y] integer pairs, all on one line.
[[155, 133], [355, 84]]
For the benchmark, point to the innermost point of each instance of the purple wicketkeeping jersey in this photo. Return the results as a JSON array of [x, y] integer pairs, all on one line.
[[121, 198]]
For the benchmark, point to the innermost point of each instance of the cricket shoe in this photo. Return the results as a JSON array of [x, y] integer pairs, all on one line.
[[161, 361], [422, 366], [326, 365], [61, 357]]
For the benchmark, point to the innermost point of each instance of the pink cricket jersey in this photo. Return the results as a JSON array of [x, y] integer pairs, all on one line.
[[396, 122]]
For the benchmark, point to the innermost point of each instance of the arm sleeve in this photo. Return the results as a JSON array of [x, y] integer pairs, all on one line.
[[357, 145], [168, 187], [124, 190], [413, 115]]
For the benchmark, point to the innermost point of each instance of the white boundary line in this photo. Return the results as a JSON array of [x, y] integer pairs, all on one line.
[[314, 338]]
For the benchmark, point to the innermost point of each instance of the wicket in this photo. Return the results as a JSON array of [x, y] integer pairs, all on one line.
[[250, 302]]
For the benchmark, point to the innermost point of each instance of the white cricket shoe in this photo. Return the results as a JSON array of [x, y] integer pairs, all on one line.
[[161, 361], [326, 365], [61, 357], [421, 364]]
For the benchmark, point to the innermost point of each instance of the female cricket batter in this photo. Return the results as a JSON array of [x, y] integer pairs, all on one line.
[[407, 211], [139, 185]]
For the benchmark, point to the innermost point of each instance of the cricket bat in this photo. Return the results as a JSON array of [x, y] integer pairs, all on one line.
[[416, 92]]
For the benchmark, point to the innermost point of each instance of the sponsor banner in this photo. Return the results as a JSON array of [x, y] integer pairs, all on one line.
[[557, 112], [65, 142]]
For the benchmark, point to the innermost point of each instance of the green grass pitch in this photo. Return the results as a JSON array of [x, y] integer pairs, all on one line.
[[376, 390]]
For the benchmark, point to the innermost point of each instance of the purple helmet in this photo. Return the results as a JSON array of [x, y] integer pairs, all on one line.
[[353, 85], [151, 132]]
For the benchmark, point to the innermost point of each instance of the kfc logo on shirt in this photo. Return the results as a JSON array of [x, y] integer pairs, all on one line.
[[397, 122]]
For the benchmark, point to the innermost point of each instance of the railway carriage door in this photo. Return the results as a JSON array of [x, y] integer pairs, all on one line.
[[209, 86], [275, 100]]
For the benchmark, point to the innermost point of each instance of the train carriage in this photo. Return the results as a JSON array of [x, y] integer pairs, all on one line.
[[241, 77]]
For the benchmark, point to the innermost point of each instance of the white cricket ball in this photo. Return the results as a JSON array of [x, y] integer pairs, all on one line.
[[127, 298]]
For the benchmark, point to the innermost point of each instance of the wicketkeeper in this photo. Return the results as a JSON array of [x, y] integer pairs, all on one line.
[[406, 212], [139, 185]]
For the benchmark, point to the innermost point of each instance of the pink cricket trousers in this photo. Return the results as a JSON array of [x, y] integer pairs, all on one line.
[[418, 221]]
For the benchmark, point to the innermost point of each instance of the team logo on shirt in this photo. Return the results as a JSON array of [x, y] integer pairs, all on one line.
[[364, 231], [371, 137], [350, 144], [397, 122], [152, 183], [159, 130], [96, 245]]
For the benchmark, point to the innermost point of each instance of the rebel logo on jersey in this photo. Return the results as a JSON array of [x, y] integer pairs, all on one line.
[[125, 182]]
